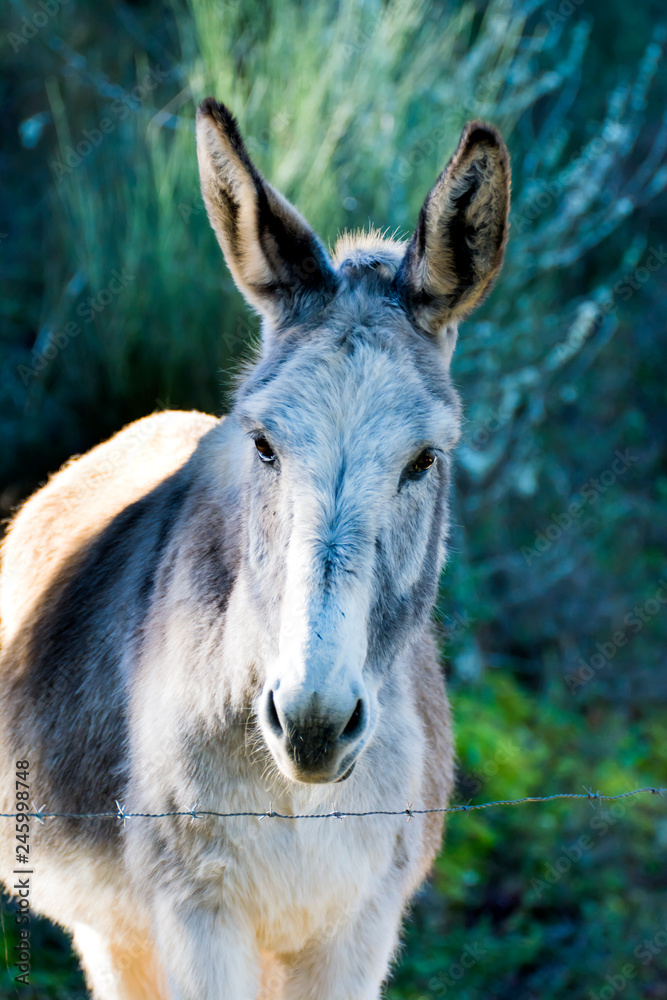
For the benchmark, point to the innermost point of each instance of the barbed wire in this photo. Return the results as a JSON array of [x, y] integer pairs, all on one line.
[[409, 812]]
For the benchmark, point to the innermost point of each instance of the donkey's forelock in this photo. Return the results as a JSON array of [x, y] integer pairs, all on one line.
[[360, 254], [364, 363]]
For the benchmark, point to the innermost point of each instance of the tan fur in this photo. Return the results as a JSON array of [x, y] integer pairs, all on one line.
[[127, 969]]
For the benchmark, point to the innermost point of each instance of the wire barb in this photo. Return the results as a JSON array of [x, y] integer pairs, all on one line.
[[591, 796], [38, 814], [122, 815]]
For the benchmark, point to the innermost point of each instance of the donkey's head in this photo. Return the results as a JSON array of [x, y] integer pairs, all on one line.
[[349, 420]]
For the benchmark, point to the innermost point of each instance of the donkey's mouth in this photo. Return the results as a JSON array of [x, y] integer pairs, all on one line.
[[322, 778], [346, 774]]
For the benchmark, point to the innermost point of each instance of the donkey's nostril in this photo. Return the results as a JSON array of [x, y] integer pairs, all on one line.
[[354, 722], [272, 715]]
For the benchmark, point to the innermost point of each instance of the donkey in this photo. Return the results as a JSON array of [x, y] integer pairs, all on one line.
[[235, 617]]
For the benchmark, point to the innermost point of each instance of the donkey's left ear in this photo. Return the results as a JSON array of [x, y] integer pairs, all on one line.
[[274, 256], [457, 249]]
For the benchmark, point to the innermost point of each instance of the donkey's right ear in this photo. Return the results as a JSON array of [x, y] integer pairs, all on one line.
[[274, 256]]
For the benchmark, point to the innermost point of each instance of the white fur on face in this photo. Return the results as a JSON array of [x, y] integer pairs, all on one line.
[[344, 422]]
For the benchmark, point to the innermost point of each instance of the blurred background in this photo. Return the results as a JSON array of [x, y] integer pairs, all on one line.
[[114, 302]]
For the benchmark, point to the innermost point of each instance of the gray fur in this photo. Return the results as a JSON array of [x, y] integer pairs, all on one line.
[[184, 624]]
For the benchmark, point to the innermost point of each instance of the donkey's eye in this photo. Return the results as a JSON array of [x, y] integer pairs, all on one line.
[[422, 463], [266, 452]]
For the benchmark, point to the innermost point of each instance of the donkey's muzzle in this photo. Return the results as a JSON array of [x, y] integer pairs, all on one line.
[[319, 745]]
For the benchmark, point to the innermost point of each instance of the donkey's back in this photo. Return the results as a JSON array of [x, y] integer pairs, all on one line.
[[66, 514]]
